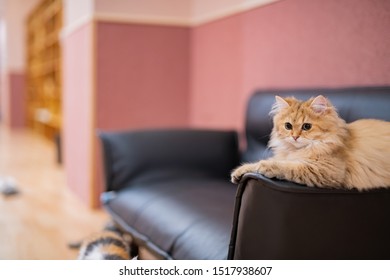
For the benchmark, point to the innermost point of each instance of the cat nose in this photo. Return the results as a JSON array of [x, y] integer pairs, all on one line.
[[295, 137]]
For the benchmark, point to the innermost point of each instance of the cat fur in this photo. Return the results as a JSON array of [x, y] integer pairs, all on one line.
[[108, 244]]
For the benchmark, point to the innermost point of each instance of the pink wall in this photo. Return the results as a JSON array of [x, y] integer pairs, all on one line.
[[13, 99], [294, 43], [78, 110], [216, 73], [142, 76], [17, 98], [318, 43]]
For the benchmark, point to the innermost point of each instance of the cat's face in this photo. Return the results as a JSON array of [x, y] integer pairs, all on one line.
[[301, 124]]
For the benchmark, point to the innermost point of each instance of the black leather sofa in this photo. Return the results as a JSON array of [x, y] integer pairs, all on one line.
[[170, 190]]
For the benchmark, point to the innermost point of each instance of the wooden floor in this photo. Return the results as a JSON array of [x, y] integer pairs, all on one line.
[[40, 221]]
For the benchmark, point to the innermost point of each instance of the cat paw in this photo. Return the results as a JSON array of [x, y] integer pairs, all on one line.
[[236, 176], [240, 171], [265, 167]]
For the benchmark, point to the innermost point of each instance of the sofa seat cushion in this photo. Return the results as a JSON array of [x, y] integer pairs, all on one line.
[[177, 219]]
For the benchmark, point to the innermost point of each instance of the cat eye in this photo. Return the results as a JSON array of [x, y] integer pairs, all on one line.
[[306, 126], [288, 126]]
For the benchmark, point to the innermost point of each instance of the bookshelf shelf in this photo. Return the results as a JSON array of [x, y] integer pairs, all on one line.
[[44, 69]]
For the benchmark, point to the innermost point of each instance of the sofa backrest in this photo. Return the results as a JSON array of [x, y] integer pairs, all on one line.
[[154, 155], [351, 104]]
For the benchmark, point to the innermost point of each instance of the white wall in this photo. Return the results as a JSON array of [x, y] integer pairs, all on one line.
[[204, 11], [77, 11], [169, 12], [15, 13]]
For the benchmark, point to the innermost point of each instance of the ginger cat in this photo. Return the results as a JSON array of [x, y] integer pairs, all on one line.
[[313, 146]]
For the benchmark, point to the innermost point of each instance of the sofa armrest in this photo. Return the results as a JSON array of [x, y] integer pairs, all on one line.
[[281, 220], [138, 156]]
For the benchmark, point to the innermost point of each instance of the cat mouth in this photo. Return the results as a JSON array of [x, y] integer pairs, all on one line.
[[298, 143]]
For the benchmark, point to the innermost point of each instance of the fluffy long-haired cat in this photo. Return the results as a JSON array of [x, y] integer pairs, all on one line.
[[313, 146]]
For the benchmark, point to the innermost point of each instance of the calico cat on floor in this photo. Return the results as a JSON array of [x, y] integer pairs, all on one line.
[[109, 244], [104, 246], [313, 146]]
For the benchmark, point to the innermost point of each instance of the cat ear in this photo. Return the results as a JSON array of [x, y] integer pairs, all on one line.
[[279, 104], [319, 104]]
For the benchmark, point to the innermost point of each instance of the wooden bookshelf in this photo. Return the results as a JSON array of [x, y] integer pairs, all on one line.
[[44, 68]]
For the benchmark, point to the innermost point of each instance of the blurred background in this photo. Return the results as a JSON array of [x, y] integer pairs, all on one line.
[[70, 68]]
